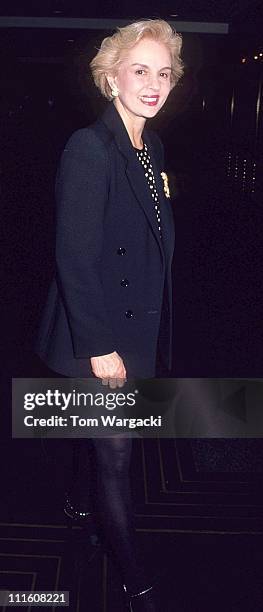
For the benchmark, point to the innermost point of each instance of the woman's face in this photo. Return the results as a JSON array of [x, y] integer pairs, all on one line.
[[144, 78]]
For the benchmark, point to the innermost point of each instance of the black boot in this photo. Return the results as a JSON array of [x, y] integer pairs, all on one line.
[[144, 601]]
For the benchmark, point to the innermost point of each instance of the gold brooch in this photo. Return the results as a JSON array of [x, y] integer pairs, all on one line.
[[165, 184]]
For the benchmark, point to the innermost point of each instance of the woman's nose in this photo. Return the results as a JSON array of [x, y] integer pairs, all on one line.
[[154, 82]]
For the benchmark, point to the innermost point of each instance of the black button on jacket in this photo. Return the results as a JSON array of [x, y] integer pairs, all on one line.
[[105, 209]]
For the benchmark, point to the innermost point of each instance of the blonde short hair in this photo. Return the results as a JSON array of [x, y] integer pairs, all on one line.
[[110, 54]]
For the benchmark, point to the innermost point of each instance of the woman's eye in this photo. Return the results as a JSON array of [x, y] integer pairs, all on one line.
[[164, 74], [140, 71]]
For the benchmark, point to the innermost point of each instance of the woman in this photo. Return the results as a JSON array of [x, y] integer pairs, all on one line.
[[108, 312]]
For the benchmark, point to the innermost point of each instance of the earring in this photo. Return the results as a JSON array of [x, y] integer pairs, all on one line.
[[114, 91]]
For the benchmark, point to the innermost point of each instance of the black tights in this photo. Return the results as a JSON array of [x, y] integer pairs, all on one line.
[[116, 509], [113, 497], [114, 502]]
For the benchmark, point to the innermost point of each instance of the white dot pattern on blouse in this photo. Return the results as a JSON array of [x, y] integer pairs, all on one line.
[[144, 158]]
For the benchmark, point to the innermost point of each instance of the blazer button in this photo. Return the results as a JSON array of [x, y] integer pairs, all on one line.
[[129, 314], [125, 282], [121, 251]]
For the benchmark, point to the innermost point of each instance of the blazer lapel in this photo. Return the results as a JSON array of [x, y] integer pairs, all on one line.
[[134, 169], [135, 173], [167, 221]]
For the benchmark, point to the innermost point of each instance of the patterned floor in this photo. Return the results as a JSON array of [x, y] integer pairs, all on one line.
[[202, 531]]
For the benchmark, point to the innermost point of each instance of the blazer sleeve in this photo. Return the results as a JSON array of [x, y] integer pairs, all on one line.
[[81, 196]]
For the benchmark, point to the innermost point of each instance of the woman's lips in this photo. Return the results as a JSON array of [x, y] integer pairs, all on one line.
[[150, 100]]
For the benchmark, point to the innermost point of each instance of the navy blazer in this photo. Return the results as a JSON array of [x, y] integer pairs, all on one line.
[[111, 263]]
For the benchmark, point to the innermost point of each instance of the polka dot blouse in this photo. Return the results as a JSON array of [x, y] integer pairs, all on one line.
[[144, 157]]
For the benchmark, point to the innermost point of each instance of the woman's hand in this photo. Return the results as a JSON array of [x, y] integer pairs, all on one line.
[[110, 368]]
